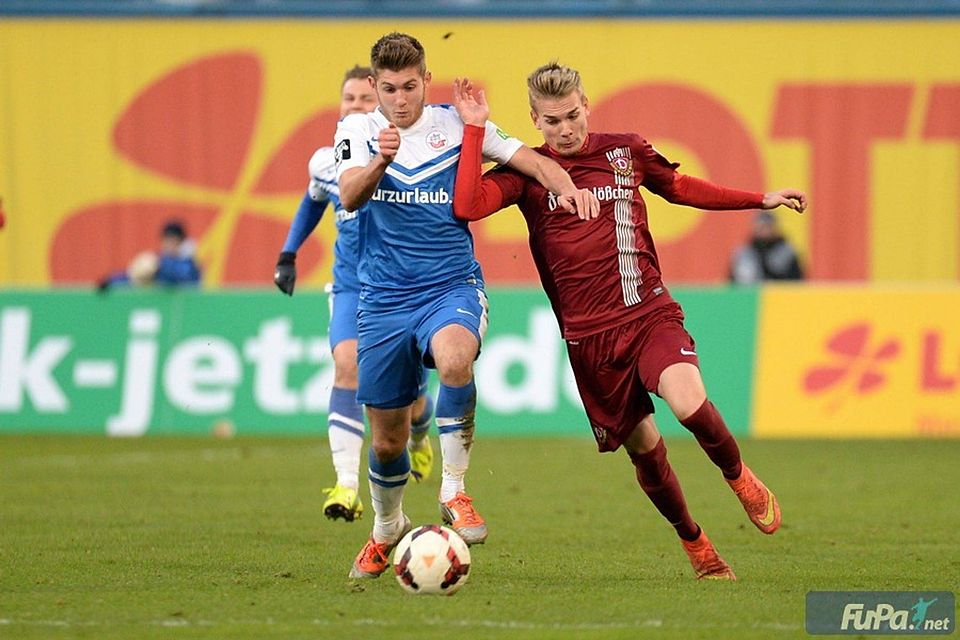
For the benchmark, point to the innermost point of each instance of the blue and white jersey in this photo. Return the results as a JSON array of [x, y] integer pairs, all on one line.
[[346, 250], [410, 241]]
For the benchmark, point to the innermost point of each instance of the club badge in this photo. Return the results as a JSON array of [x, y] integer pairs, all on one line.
[[436, 140], [622, 166]]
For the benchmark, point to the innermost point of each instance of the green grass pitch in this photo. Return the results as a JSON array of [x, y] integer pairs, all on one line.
[[195, 538]]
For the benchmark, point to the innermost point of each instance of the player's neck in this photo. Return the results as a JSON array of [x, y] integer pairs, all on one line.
[[583, 147], [415, 124]]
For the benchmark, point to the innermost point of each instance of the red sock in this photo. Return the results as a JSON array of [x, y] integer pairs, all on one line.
[[658, 481], [715, 439]]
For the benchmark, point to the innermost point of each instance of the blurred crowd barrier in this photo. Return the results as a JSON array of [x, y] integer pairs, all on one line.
[[779, 361], [110, 126]]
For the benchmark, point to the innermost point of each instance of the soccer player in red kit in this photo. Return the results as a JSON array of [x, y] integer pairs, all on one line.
[[624, 332]]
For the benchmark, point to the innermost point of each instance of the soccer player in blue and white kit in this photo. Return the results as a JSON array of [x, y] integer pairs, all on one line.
[[422, 300], [345, 419]]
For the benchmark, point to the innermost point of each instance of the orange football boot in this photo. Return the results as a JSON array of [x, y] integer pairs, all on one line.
[[464, 519], [758, 501], [374, 558], [707, 563]]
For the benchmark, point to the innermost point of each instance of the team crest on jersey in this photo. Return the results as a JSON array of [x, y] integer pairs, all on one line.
[[622, 166], [436, 139], [621, 161]]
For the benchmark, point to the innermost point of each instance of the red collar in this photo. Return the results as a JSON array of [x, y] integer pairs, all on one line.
[[554, 154]]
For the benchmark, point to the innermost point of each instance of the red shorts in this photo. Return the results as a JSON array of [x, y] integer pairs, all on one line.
[[617, 370]]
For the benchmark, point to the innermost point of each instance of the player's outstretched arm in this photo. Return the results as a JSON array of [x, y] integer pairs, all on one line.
[[553, 177], [792, 198], [703, 194], [304, 222]]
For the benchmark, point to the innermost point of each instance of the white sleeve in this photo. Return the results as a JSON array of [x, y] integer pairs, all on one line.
[[497, 145], [323, 175], [350, 143]]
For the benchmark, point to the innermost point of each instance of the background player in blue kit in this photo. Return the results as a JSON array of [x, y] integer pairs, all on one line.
[[422, 300], [345, 421]]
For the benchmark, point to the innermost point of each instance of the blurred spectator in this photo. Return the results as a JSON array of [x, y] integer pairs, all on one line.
[[177, 264], [174, 265], [768, 255]]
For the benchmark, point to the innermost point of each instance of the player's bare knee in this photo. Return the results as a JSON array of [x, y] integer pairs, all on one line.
[[388, 444], [345, 377], [685, 405], [455, 373], [345, 364], [643, 439], [454, 348], [455, 363], [389, 431], [386, 449]]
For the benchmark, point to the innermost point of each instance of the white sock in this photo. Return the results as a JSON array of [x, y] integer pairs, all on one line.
[[455, 422], [345, 431], [387, 481], [345, 447]]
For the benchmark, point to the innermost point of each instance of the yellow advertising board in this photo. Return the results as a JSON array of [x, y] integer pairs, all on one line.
[[855, 362], [108, 127]]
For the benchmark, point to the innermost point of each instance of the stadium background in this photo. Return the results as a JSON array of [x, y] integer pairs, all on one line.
[[117, 116]]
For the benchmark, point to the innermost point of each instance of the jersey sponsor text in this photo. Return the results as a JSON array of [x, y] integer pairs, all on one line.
[[416, 196]]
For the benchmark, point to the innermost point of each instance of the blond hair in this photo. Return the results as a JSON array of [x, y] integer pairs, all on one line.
[[397, 51], [553, 80]]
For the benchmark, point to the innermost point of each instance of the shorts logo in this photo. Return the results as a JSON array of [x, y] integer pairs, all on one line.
[[436, 139], [687, 352], [469, 313], [342, 151], [600, 434]]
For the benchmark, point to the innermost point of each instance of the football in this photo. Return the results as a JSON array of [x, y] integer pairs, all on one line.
[[431, 560]]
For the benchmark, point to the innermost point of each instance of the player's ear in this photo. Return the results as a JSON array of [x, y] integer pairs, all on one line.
[[427, 77], [586, 106], [535, 118], [373, 82]]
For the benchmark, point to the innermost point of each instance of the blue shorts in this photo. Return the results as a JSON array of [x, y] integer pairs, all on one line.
[[394, 343], [343, 316]]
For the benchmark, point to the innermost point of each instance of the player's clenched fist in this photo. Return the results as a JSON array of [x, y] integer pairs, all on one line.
[[389, 141], [793, 198]]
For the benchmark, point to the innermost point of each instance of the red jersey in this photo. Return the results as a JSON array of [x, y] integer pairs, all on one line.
[[604, 272]]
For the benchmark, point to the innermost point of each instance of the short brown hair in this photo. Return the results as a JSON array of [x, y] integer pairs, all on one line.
[[553, 80], [356, 73], [397, 51]]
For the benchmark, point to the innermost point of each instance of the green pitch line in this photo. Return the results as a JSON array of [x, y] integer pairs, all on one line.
[[191, 538]]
